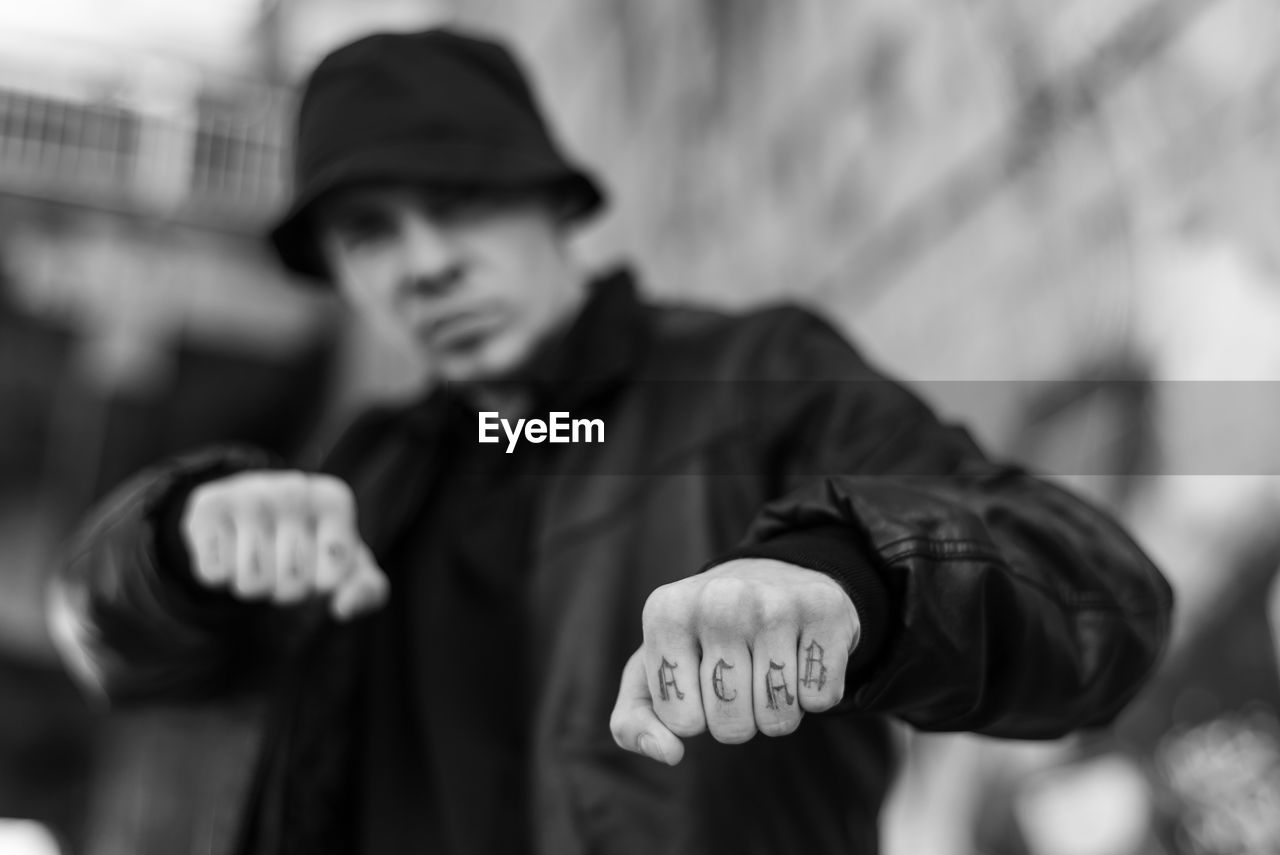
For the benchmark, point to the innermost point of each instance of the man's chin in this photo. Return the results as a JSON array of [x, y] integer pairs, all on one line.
[[483, 368]]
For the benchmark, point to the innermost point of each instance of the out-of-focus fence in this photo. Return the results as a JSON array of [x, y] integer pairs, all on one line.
[[212, 162]]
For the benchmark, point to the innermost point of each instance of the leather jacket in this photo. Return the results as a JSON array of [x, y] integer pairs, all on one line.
[[990, 601]]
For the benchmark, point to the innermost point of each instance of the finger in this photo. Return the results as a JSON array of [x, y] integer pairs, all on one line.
[[208, 536], [672, 671], [294, 559], [820, 667], [634, 724], [777, 708], [337, 539], [211, 544], [364, 591], [671, 662], [336, 550], [726, 692], [254, 575]]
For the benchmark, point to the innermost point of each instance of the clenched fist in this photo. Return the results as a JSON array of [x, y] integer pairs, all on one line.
[[747, 646], [282, 536]]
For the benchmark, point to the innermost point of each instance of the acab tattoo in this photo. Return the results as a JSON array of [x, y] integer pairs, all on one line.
[[775, 683], [717, 681], [812, 661], [667, 681]]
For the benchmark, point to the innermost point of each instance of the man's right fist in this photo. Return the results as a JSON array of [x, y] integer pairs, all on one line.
[[283, 536]]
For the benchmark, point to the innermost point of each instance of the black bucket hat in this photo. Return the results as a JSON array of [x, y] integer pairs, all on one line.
[[437, 108]]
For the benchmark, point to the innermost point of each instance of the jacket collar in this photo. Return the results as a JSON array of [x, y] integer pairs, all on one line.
[[598, 350]]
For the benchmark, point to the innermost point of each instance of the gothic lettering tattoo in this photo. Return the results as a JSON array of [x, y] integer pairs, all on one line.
[[775, 682], [717, 681], [667, 681], [814, 671]]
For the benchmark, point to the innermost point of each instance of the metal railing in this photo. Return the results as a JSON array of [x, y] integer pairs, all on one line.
[[212, 163]]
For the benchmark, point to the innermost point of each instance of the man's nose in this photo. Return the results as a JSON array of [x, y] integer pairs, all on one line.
[[432, 262]]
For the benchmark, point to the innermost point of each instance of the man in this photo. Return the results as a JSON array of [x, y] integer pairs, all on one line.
[[754, 535]]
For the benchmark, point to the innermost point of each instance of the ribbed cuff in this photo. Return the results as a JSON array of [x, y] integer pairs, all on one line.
[[837, 552]]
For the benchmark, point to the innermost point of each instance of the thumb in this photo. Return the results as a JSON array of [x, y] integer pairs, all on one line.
[[362, 592], [634, 724]]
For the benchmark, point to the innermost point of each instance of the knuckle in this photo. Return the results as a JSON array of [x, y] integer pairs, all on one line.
[[331, 494], [725, 601], [204, 506], [245, 486], [667, 605], [288, 490], [726, 589], [194, 525], [250, 508], [201, 499], [826, 610], [774, 612]]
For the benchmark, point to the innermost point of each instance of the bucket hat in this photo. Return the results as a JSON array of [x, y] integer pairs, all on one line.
[[441, 109]]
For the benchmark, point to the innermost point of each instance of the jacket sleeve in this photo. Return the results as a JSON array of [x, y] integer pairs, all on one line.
[[989, 601], [127, 617]]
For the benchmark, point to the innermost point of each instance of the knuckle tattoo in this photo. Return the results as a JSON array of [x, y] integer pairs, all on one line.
[[813, 669], [668, 688], [778, 695], [717, 682]]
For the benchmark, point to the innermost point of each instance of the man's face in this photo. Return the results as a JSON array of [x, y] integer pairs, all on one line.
[[472, 283]]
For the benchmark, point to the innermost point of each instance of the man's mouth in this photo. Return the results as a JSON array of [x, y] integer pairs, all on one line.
[[463, 330]]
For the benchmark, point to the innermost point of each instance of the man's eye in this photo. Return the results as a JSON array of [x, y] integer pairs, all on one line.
[[460, 209], [355, 231]]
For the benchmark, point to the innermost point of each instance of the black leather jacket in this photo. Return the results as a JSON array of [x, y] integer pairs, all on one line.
[[990, 601]]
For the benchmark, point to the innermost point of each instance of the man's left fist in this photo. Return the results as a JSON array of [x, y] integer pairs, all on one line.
[[747, 646]]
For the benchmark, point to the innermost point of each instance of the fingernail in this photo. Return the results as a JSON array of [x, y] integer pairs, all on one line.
[[649, 746]]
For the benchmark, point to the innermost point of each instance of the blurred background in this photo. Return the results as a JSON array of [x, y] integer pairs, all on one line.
[[1059, 219]]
